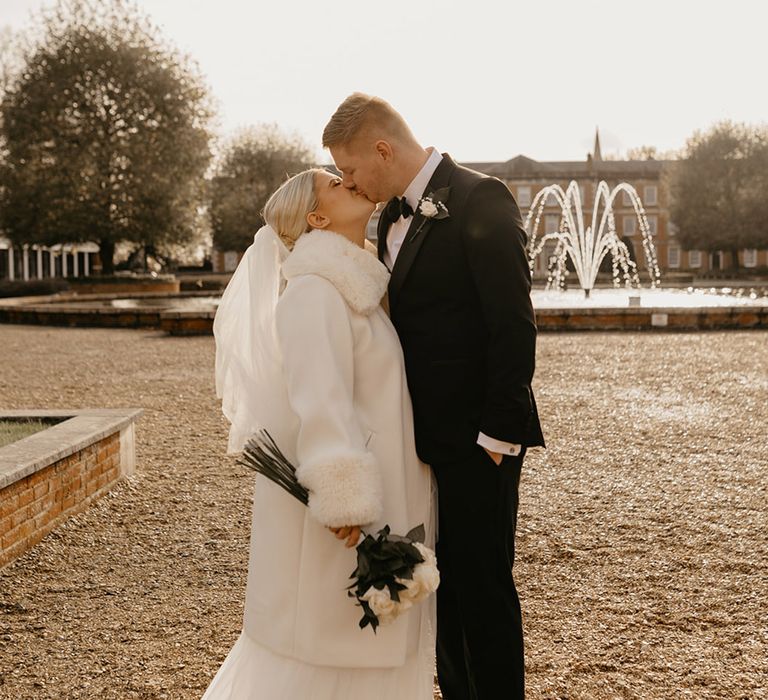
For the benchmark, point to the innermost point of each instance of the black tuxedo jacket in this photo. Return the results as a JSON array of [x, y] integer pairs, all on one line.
[[459, 297]]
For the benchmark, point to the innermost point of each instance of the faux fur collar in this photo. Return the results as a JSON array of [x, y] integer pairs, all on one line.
[[357, 273]]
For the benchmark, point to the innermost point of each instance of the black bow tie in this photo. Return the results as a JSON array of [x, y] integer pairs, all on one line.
[[397, 207]]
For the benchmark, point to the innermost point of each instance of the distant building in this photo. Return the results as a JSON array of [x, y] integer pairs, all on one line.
[[29, 262], [526, 177]]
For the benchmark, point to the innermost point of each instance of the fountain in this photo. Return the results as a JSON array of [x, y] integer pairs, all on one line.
[[582, 248], [587, 246]]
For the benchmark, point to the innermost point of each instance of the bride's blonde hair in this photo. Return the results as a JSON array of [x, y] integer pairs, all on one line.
[[286, 210]]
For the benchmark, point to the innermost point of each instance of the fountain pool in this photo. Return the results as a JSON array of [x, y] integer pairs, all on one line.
[[690, 298]]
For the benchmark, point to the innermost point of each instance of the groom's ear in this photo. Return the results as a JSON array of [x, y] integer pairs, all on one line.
[[316, 220], [384, 150]]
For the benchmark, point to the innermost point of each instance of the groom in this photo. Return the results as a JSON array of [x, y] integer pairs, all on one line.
[[459, 297]]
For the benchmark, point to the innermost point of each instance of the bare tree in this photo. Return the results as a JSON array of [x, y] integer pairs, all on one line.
[[649, 153]]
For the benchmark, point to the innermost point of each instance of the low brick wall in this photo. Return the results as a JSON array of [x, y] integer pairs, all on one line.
[[554, 320], [187, 322], [36, 497], [87, 311], [656, 319], [36, 504], [57, 312], [61, 315], [94, 287]]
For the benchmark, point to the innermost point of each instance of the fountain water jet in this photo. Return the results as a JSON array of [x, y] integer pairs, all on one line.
[[588, 246]]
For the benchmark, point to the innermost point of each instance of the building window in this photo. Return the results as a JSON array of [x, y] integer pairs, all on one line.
[[653, 224], [524, 196], [626, 200], [750, 257], [672, 230], [583, 193], [551, 223], [694, 258], [673, 256], [629, 225], [552, 200], [650, 195]]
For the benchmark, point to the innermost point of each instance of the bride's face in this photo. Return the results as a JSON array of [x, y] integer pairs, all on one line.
[[338, 207]]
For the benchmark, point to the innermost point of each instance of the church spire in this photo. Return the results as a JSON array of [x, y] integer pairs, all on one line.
[[596, 152]]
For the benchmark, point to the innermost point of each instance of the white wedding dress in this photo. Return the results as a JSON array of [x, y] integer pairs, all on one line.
[[338, 407], [252, 672]]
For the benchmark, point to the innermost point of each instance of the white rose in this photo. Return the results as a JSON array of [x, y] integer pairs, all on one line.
[[427, 576], [425, 581], [382, 605], [428, 208], [426, 553], [413, 589], [380, 601]]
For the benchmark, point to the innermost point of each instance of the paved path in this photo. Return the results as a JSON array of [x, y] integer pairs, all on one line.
[[643, 534]]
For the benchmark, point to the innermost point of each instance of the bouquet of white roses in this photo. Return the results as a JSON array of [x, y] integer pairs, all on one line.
[[393, 572]]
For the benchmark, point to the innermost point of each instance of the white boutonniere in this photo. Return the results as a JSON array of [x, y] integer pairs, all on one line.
[[432, 206]]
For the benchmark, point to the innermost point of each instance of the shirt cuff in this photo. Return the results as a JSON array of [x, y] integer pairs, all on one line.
[[494, 445]]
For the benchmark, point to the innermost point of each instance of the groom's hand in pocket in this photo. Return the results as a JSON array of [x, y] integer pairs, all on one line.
[[495, 456], [350, 533]]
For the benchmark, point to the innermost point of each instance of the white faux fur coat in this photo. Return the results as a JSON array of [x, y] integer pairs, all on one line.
[[346, 421]]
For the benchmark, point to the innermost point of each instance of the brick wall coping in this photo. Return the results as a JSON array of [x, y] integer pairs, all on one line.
[[41, 300], [62, 308], [64, 297], [759, 309], [82, 428]]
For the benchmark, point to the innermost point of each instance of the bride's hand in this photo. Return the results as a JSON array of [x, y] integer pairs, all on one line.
[[350, 533]]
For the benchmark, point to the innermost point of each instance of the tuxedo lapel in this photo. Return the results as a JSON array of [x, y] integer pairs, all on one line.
[[417, 231], [382, 228]]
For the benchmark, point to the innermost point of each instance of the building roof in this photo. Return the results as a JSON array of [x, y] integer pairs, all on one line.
[[521, 167], [593, 168]]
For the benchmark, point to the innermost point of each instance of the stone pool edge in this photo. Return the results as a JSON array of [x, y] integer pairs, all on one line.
[[198, 322]]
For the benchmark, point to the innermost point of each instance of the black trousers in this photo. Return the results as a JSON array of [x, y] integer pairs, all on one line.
[[479, 625]]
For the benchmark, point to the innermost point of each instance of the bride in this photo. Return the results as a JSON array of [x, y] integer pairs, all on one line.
[[305, 350]]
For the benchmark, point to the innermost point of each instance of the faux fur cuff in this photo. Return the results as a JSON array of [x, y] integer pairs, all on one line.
[[345, 491]]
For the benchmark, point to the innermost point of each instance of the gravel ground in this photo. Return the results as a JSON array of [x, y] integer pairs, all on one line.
[[643, 535]]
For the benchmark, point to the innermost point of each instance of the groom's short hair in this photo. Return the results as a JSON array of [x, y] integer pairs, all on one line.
[[360, 114]]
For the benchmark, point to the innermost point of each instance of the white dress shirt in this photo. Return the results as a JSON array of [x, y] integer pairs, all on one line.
[[412, 194], [395, 237]]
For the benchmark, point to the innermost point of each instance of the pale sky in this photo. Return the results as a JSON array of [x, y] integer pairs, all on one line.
[[484, 80]]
